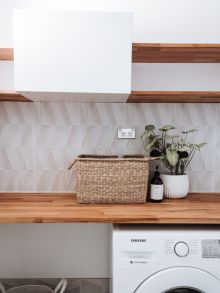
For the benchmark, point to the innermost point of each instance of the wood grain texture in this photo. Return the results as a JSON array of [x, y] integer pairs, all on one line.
[[160, 53], [196, 208], [174, 97], [7, 54], [175, 53], [11, 96], [143, 97]]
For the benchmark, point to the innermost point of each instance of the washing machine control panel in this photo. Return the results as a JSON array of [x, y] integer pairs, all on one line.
[[206, 248], [211, 248], [181, 249]]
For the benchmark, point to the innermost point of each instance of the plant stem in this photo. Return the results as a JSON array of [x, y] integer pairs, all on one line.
[[177, 168], [186, 163], [160, 145], [182, 167], [190, 159], [164, 140]]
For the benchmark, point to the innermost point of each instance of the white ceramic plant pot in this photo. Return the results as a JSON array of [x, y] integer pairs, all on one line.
[[175, 186]]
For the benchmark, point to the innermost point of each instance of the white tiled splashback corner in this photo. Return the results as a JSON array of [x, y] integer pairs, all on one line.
[[37, 140]]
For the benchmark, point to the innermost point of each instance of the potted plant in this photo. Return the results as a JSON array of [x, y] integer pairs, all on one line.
[[176, 153]]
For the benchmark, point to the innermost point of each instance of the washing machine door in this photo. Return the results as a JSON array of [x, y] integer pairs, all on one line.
[[180, 280]]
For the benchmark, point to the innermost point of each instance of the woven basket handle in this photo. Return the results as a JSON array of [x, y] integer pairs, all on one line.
[[71, 164], [153, 158], [2, 288], [61, 287], [74, 161]]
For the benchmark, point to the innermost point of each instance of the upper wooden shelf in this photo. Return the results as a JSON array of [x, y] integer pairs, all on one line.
[[175, 53], [174, 97], [196, 208], [6, 54], [160, 53]]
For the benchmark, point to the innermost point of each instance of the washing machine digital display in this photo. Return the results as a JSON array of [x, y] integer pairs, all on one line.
[[211, 248]]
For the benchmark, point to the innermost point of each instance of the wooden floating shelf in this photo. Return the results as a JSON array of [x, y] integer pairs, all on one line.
[[174, 97], [6, 54], [196, 208], [175, 53], [11, 96], [143, 97], [160, 53]]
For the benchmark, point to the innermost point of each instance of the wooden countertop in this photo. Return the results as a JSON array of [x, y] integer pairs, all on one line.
[[196, 208]]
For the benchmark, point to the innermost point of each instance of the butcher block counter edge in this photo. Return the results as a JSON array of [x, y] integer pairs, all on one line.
[[196, 208]]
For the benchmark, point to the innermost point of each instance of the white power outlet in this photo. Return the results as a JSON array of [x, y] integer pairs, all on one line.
[[128, 133]]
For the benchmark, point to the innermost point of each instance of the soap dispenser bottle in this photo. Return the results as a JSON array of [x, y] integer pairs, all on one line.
[[156, 187]]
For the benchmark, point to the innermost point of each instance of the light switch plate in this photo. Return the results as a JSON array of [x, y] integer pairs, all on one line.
[[127, 133]]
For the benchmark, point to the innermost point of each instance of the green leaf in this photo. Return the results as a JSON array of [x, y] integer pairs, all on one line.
[[183, 159], [173, 147], [167, 128], [152, 137], [171, 136], [172, 157], [182, 141], [192, 145], [184, 148], [150, 144], [190, 130], [163, 157], [150, 127], [200, 145], [146, 134]]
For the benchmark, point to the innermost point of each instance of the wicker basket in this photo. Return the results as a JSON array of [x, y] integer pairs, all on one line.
[[103, 179]]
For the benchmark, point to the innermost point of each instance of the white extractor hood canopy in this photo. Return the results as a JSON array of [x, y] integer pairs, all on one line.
[[73, 56]]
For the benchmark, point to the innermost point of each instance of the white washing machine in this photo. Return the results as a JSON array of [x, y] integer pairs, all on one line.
[[165, 259]]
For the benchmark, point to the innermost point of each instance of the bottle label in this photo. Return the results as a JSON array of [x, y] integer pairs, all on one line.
[[156, 192]]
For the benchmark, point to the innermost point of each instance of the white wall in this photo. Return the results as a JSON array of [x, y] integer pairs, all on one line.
[[54, 250], [176, 77], [28, 250], [6, 75], [191, 21]]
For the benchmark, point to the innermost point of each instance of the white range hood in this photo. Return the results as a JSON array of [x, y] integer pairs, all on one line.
[[73, 56]]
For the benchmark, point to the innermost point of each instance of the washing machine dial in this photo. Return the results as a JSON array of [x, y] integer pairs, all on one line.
[[181, 249]]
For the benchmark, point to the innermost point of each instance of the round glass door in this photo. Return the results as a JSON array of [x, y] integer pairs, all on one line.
[[180, 280], [183, 290]]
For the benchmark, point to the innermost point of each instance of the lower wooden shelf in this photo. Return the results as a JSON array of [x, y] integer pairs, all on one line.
[[196, 208], [143, 97], [12, 96]]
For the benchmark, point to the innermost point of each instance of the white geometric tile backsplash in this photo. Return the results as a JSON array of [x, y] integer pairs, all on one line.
[[37, 140]]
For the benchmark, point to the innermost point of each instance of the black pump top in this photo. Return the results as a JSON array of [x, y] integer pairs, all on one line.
[[157, 173], [156, 179]]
